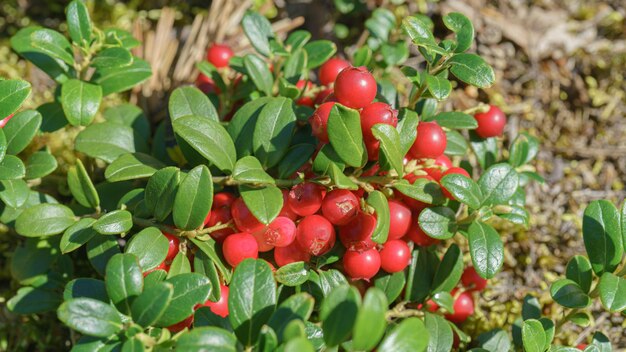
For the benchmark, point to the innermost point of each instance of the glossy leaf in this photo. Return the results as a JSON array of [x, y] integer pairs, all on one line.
[[189, 289], [439, 87], [495, 340], [40, 164], [439, 332], [14, 193], [80, 101], [119, 79], [188, 101], [449, 270], [579, 270], [370, 321], [99, 250], [422, 189], [533, 336], [264, 203], [107, 141], [20, 130], [44, 220], [391, 284], [410, 335], [472, 69], [498, 184], [486, 249], [407, 129], [123, 280], [318, 52], [113, 223], [52, 43], [259, 32], [344, 133], [29, 300], [193, 199], [81, 186], [463, 28], [77, 235], [390, 146], [296, 307], [259, 72], [420, 274], [379, 202], [249, 170], [338, 314], [568, 294], [438, 222], [12, 94], [132, 166], [78, 22], [292, 274], [273, 132], [612, 292], [602, 236], [149, 246], [463, 189], [11, 168], [207, 339], [161, 191], [455, 120], [90, 317], [112, 57]]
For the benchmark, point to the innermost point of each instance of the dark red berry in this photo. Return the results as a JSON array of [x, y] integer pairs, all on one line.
[[244, 219], [330, 69], [290, 254], [400, 219], [220, 215], [180, 326], [238, 247], [472, 281], [219, 55], [322, 95], [340, 206], [319, 121], [490, 123], [357, 234], [315, 235], [286, 211], [305, 198], [361, 265], [221, 306], [463, 307], [355, 87], [206, 84], [430, 142], [174, 243], [395, 256]]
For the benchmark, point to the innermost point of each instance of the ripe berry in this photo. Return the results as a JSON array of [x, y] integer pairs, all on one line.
[[223, 200], [490, 123], [472, 281], [290, 254], [355, 87], [174, 243], [280, 233], [4, 121], [322, 95], [463, 308], [442, 163], [221, 306], [305, 198], [361, 265], [319, 121], [400, 219], [162, 266], [238, 247], [285, 211], [219, 55], [375, 113], [180, 326], [260, 241], [244, 219], [206, 84], [395, 256], [330, 69], [453, 170], [315, 235], [430, 142], [357, 234], [340, 206], [219, 216], [418, 236], [582, 346]]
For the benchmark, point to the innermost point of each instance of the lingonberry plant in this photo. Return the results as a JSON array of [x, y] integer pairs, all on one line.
[[279, 207]]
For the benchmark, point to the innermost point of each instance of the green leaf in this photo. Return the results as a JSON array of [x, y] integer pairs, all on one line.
[[54, 68], [391, 284], [395, 54], [14, 193], [161, 191], [340, 180], [407, 129], [180, 265], [113, 223], [390, 145], [44, 220], [189, 289], [81, 186], [463, 28], [486, 149], [498, 184], [410, 335], [31, 261], [579, 270], [90, 317], [449, 270], [52, 43], [568, 294], [118, 37], [20, 130], [422, 189], [379, 202], [344, 133], [30, 300], [438, 222], [119, 79], [463, 189], [205, 317], [439, 87], [325, 158], [77, 235], [107, 141], [208, 338], [112, 57], [295, 66], [456, 144], [13, 92], [533, 336], [273, 131], [622, 223], [362, 56], [495, 340], [472, 69], [132, 166], [612, 292], [370, 321], [264, 203], [241, 127], [338, 314], [259, 31], [131, 116], [90, 344], [208, 247], [531, 309], [3, 145], [249, 170], [602, 236], [602, 342], [40, 164], [259, 72], [252, 299], [208, 138], [318, 52], [581, 319], [523, 149], [149, 246], [420, 275], [486, 249], [444, 300], [80, 101], [202, 264], [193, 198], [297, 39], [292, 274], [297, 307], [78, 22], [455, 120], [420, 33], [380, 24], [440, 334], [296, 156], [11, 168], [123, 280], [100, 249], [187, 101]]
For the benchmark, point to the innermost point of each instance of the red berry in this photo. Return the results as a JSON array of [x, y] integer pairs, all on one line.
[[162, 266], [376, 113], [490, 123], [244, 219], [472, 281], [395, 256], [290, 254], [174, 243], [180, 326], [305, 198], [442, 163], [340, 206], [453, 170], [430, 142], [357, 234], [221, 306], [418, 236], [463, 308], [322, 95], [4, 121], [223, 200], [582, 346], [260, 241], [315, 235], [361, 265], [373, 148], [238, 247], [400, 219], [355, 87], [305, 101], [319, 121], [285, 211], [219, 216], [206, 84], [219, 55], [280, 233], [330, 69]]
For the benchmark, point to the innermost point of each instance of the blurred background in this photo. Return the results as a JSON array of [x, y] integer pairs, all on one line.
[[559, 64]]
